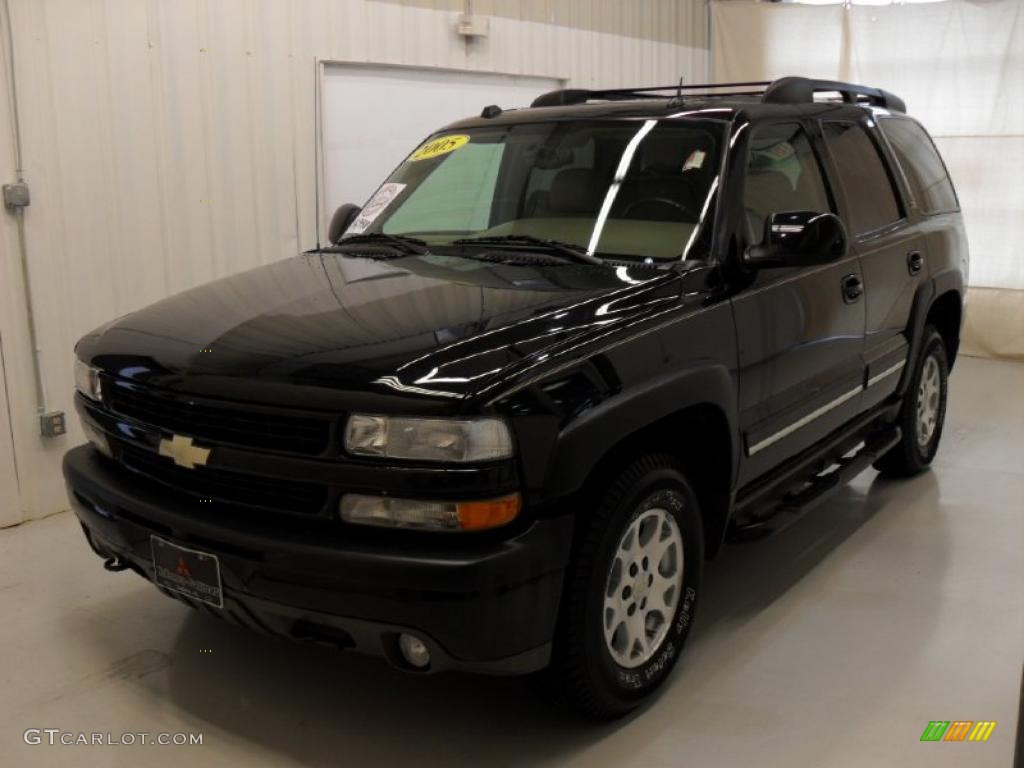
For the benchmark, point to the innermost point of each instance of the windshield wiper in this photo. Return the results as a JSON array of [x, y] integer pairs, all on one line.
[[397, 242], [569, 250], [518, 257]]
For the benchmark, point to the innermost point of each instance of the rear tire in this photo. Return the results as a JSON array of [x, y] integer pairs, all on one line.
[[631, 591], [922, 413]]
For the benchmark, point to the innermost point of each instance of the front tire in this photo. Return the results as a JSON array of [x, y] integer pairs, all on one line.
[[632, 591], [923, 412]]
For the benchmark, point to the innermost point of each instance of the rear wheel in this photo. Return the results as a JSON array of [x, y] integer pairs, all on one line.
[[922, 413], [632, 591]]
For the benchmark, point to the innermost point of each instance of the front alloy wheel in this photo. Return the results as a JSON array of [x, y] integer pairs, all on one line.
[[631, 589], [643, 588]]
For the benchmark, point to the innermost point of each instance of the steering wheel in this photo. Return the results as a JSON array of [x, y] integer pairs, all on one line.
[[628, 209]]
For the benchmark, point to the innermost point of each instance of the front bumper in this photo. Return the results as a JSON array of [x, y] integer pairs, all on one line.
[[479, 604]]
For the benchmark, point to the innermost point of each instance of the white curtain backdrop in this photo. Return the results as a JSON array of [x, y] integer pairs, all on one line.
[[959, 65]]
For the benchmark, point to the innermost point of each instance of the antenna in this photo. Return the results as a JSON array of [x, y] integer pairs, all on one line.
[[677, 100], [316, 145]]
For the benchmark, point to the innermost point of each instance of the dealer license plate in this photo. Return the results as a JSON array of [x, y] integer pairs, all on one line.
[[192, 573]]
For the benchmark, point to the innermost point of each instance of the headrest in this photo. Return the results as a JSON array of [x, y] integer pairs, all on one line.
[[574, 191], [768, 192]]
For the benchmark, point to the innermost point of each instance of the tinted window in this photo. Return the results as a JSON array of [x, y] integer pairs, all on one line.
[[619, 187], [456, 197], [864, 178], [550, 164], [782, 175], [921, 164]]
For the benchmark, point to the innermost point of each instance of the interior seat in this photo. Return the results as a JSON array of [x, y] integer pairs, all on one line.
[[766, 192], [574, 192]]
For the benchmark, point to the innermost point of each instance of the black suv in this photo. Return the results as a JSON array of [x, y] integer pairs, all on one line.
[[560, 357]]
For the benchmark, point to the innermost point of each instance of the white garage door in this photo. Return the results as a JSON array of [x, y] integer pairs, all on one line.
[[374, 116]]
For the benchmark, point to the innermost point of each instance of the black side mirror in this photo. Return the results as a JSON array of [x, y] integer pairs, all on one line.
[[342, 220], [798, 239]]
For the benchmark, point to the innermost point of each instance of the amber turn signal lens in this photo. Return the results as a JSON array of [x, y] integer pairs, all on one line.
[[389, 512], [479, 515]]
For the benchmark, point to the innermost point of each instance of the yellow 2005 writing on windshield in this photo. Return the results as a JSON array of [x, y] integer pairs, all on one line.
[[439, 146]]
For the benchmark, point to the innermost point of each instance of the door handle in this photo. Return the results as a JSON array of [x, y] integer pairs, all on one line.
[[915, 262], [853, 287]]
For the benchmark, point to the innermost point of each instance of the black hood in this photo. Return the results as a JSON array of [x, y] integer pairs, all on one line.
[[432, 329]]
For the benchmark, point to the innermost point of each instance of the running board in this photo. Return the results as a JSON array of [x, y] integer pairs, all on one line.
[[790, 507]]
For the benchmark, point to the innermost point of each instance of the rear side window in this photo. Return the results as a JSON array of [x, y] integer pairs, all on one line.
[[920, 161], [782, 176], [869, 194]]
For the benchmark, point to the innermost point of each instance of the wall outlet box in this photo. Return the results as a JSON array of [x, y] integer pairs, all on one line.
[[52, 424], [473, 26], [16, 195]]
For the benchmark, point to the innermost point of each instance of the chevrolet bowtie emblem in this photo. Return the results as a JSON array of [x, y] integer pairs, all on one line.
[[184, 452]]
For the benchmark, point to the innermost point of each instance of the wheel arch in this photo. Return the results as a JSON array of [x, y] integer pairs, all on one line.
[[938, 301], [946, 314], [699, 429]]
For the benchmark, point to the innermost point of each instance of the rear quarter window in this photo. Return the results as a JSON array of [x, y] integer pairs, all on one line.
[[923, 167], [870, 198]]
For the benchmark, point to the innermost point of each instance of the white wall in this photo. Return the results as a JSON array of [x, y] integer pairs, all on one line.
[[361, 150], [10, 504], [169, 142]]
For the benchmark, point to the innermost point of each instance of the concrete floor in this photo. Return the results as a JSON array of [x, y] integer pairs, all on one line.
[[832, 644]]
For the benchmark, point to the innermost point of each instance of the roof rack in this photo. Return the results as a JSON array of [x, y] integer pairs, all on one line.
[[571, 96], [785, 90], [801, 90]]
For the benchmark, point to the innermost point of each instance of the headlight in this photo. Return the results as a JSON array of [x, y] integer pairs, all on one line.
[[429, 515], [87, 380], [457, 440]]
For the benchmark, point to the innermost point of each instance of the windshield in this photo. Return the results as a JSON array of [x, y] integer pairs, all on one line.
[[640, 188]]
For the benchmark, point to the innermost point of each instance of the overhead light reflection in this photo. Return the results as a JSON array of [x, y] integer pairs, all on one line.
[[700, 111], [396, 384], [613, 190], [700, 221], [433, 378], [735, 136], [623, 274]]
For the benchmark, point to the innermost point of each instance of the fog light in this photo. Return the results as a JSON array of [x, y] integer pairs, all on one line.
[[414, 650], [390, 512]]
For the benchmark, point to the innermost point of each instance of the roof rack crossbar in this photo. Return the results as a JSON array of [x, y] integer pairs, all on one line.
[[801, 90], [569, 96], [685, 87]]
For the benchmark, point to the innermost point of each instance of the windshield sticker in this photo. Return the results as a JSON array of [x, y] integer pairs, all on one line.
[[374, 208], [440, 146], [695, 160]]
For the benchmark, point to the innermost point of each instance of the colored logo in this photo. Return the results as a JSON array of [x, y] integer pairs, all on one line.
[[958, 730], [183, 569], [184, 452]]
